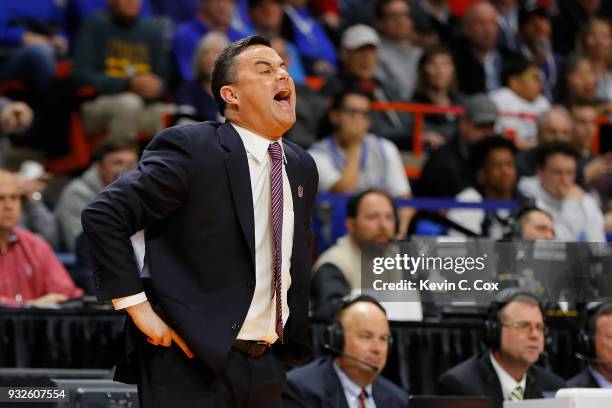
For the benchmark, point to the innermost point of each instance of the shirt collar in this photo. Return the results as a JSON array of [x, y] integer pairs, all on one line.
[[602, 381], [349, 385], [508, 383], [256, 145]]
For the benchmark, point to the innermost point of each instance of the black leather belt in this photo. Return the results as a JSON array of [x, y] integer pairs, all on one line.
[[252, 348]]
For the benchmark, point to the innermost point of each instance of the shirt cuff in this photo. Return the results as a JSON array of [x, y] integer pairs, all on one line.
[[127, 301]]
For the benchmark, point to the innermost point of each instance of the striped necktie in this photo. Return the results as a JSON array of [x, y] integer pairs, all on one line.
[[516, 394], [276, 189], [363, 396]]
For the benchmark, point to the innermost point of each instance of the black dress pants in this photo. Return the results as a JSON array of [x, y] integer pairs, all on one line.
[[168, 379]]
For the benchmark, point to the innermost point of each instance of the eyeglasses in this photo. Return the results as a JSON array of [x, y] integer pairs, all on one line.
[[527, 327], [364, 113]]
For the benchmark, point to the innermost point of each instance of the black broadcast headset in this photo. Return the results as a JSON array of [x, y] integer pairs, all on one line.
[[492, 325], [334, 333], [585, 340]]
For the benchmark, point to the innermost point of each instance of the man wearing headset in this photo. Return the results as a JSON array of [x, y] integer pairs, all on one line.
[[359, 339], [515, 334], [595, 346]]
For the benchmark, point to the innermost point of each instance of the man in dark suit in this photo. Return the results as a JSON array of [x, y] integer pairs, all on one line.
[[360, 338], [515, 334], [595, 345], [477, 57], [225, 208]]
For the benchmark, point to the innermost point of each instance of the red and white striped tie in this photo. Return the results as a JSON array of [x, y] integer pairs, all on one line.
[[276, 189]]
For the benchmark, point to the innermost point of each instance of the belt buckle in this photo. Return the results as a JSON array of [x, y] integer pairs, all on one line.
[[263, 343]]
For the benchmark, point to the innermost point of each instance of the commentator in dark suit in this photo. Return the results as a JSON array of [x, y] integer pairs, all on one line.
[[515, 335], [360, 340], [225, 208], [595, 347]]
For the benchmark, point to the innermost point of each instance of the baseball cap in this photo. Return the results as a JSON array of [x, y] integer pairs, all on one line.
[[480, 109], [359, 35]]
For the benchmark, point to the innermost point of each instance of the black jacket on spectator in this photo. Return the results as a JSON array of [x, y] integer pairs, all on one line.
[[477, 377], [317, 385], [470, 71], [584, 379], [446, 173], [327, 288]]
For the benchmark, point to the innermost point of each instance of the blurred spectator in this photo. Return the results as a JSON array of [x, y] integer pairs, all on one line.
[[212, 15], [577, 81], [31, 38], [370, 218], [556, 125], [77, 11], [267, 20], [433, 22], [493, 160], [554, 189], [29, 272], [328, 12], [111, 160], [535, 224], [351, 160], [178, 10], [535, 44], [122, 57], [596, 350], [194, 98], [437, 85], [316, 49], [447, 171], [595, 42], [520, 101], [572, 16], [398, 57], [359, 56], [478, 59], [358, 12], [15, 117], [35, 216], [361, 339], [311, 109], [508, 22]]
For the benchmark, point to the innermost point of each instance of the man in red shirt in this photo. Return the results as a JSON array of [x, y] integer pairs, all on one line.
[[29, 271]]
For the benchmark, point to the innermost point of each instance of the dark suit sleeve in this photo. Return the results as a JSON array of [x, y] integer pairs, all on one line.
[[149, 194], [293, 397], [327, 289], [448, 384]]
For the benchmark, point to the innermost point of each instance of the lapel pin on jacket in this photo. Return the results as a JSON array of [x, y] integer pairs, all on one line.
[[300, 191]]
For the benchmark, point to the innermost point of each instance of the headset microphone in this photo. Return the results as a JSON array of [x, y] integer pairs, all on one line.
[[372, 367], [592, 360]]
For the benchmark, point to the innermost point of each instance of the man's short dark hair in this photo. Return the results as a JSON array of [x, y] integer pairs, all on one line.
[[603, 310], [524, 212], [255, 3], [224, 72], [546, 150], [515, 67], [379, 8], [352, 205], [111, 146], [338, 98], [481, 149]]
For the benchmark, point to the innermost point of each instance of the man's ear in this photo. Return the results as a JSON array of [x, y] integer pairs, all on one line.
[[229, 94], [350, 225]]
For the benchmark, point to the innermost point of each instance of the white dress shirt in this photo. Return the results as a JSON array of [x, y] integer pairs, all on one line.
[[508, 383], [260, 322]]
